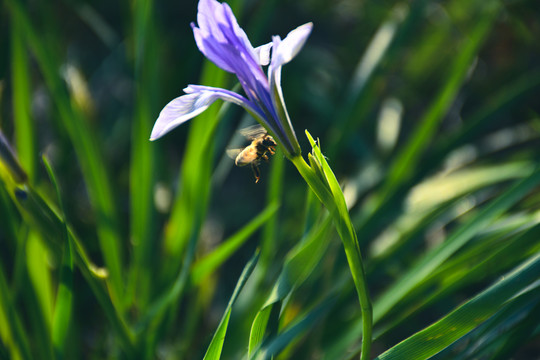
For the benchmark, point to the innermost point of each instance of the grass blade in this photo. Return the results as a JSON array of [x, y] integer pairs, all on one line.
[[203, 268], [143, 152], [64, 296], [404, 165], [40, 301], [44, 219], [435, 258], [24, 126], [277, 344], [212, 261], [457, 273], [488, 340], [444, 332], [299, 263], [86, 148], [275, 193], [406, 161], [14, 336], [216, 345], [364, 72], [511, 95]]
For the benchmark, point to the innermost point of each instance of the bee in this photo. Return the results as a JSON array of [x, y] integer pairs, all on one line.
[[261, 147]]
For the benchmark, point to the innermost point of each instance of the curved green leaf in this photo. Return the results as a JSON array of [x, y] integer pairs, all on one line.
[[428, 263], [299, 263], [467, 317], [86, 146], [292, 332], [63, 306], [216, 345]]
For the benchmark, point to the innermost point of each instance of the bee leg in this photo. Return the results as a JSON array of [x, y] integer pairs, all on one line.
[[265, 157], [256, 172], [272, 150]]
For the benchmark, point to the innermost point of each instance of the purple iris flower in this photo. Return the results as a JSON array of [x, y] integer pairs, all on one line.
[[222, 40]]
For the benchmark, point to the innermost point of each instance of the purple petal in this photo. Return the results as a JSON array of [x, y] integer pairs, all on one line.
[[222, 40], [239, 33], [195, 101], [212, 50], [263, 54], [287, 49], [284, 51], [209, 15]]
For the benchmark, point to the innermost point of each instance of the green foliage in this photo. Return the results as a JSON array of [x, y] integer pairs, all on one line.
[[466, 317], [112, 246], [298, 265], [216, 345]]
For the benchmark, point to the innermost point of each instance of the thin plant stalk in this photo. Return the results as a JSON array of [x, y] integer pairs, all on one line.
[[349, 239]]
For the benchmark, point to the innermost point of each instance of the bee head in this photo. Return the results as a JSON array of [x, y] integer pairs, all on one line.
[[269, 141]]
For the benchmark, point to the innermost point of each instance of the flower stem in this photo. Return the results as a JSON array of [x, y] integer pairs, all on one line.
[[340, 215]]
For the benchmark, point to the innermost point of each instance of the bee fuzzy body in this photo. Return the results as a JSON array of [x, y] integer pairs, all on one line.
[[261, 147]]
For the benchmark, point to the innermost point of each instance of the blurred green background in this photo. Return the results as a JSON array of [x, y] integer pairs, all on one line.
[[428, 112]]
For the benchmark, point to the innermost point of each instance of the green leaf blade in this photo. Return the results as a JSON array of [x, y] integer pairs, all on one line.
[[465, 318], [216, 345]]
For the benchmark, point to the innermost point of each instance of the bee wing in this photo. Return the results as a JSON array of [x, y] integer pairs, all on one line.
[[253, 132], [233, 153]]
